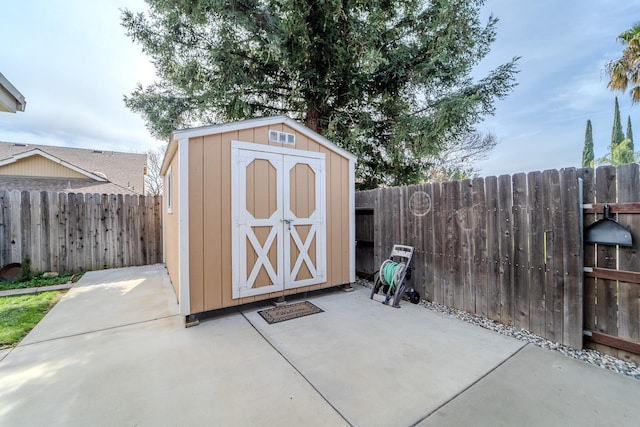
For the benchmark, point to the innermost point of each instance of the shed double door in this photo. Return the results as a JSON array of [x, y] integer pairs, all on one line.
[[278, 216]]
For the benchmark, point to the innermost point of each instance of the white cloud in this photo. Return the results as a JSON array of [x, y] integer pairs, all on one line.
[[73, 63]]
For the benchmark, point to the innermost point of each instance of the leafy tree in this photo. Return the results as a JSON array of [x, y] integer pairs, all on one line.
[[456, 159], [153, 179], [587, 151], [624, 72], [387, 80], [623, 153]]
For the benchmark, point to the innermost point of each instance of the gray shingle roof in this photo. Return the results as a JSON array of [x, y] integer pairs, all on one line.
[[124, 171]]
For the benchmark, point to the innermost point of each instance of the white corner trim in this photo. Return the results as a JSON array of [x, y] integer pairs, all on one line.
[[39, 152], [183, 226], [352, 221]]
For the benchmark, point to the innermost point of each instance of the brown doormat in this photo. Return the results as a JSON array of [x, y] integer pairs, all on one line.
[[287, 312]]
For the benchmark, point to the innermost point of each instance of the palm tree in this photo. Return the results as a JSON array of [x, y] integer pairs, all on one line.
[[625, 71]]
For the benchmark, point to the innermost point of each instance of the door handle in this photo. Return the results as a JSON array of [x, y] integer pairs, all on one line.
[[288, 221]]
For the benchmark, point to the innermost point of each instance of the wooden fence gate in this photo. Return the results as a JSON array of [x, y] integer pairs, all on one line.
[[612, 273], [510, 248]]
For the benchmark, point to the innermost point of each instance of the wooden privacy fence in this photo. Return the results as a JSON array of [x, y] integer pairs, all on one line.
[[510, 248], [73, 232], [507, 248]]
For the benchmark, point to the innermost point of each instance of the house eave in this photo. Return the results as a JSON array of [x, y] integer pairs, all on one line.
[[11, 100]]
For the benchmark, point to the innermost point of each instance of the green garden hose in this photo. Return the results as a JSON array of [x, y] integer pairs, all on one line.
[[390, 273]]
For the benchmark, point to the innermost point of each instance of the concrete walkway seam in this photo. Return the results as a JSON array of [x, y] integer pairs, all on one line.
[[97, 330], [469, 386], [296, 369]]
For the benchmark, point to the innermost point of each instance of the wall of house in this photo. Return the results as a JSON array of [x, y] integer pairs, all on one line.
[[172, 250], [39, 166], [210, 230]]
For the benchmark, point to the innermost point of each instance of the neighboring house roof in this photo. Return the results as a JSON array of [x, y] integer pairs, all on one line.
[[11, 100], [247, 124], [90, 171]]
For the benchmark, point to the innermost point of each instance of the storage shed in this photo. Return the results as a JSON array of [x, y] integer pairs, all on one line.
[[256, 209]]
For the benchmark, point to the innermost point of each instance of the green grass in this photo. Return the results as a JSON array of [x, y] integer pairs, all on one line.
[[21, 313], [38, 281]]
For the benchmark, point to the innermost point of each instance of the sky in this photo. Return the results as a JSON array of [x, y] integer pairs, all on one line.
[[73, 63]]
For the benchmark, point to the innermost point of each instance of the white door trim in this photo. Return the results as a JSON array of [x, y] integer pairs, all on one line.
[[318, 229], [243, 221], [283, 274]]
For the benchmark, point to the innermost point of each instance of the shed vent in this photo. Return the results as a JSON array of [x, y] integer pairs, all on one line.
[[282, 137]]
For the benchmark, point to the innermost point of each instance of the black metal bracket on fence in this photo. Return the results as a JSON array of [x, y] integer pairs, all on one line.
[[607, 231]]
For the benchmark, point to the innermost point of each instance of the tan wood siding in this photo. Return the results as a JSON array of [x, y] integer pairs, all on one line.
[[37, 165], [212, 233], [210, 198]]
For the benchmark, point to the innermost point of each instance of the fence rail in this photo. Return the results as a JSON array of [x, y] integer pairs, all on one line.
[[69, 232]]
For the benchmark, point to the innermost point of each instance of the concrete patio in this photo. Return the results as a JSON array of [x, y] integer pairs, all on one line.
[[114, 352]]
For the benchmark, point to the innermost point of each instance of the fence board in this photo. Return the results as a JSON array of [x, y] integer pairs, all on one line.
[[606, 291], [428, 243], [465, 258], [15, 202], [537, 302], [554, 288], [25, 225], [456, 276], [73, 232], [521, 231], [450, 193], [505, 203], [413, 236], [438, 243], [572, 256], [480, 255], [54, 225], [589, 257], [4, 218], [629, 260], [493, 248]]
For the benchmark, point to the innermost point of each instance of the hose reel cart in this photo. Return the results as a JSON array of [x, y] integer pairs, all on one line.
[[392, 276]]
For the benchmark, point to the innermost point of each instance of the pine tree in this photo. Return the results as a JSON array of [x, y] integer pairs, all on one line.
[[617, 136], [587, 151], [389, 81], [629, 131]]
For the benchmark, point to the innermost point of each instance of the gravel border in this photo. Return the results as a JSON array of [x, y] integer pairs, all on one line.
[[593, 357]]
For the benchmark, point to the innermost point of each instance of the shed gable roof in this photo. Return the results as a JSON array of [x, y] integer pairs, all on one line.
[[253, 123]]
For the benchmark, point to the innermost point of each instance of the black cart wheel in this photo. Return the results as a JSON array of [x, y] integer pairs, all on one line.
[[415, 297], [376, 285]]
